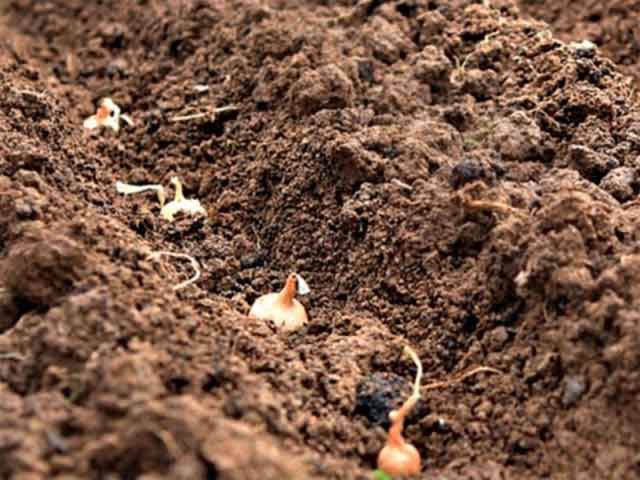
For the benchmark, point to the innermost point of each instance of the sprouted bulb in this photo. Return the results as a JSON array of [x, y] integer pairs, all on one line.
[[108, 115], [168, 211], [399, 458], [181, 204], [282, 308]]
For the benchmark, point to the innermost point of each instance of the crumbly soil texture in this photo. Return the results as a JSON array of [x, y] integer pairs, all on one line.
[[444, 174], [612, 25]]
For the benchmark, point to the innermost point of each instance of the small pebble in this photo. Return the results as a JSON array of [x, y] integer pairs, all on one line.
[[573, 389]]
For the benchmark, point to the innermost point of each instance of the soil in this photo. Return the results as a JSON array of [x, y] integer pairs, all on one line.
[[444, 174], [611, 25]]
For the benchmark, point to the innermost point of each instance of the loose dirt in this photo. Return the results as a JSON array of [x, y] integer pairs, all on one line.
[[445, 174], [612, 25]]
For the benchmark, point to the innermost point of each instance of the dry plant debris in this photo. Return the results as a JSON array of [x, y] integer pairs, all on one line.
[[211, 114]]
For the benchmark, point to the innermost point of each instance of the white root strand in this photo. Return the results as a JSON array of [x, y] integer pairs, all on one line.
[[194, 264]]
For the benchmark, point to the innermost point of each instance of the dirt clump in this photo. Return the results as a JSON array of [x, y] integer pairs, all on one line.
[[42, 268]]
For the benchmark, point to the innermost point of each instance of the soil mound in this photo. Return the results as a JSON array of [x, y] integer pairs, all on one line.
[[446, 174]]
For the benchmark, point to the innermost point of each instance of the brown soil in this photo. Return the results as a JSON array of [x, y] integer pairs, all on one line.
[[444, 174], [612, 25]]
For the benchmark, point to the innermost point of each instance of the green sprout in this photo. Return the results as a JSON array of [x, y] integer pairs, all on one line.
[[381, 475]]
